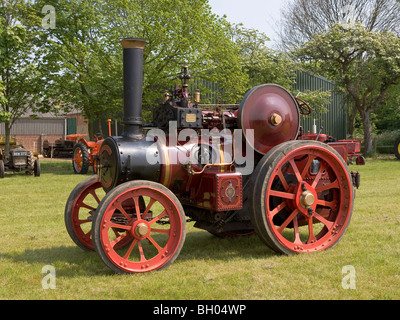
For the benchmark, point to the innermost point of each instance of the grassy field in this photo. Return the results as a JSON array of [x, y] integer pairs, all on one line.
[[33, 235]]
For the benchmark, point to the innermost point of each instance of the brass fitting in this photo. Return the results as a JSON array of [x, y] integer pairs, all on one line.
[[196, 96], [276, 119]]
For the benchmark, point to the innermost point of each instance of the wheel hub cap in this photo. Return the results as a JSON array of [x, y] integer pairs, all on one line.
[[141, 229], [307, 199]]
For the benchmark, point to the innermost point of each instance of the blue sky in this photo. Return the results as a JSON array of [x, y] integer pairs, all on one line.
[[262, 15]]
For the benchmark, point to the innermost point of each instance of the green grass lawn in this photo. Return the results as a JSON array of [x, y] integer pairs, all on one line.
[[33, 235]]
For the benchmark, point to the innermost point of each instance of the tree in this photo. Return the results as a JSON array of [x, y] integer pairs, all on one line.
[[82, 68], [365, 64], [265, 65], [19, 89], [261, 63], [301, 19], [84, 57], [179, 33]]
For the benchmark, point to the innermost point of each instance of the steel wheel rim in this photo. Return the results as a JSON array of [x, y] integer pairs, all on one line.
[[78, 159], [143, 251], [77, 222], [333, 216]]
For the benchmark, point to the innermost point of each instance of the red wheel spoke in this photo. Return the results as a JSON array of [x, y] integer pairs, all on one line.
[[154, 243], [119, 226], [142, 257], [327, 223], [93, 193], [288, 220], [278, 209], [137, 207], [297, 239], [311, 237], [129, 251], [296, 170], [330, 204], [318, 177], [84, 205], [116, 233], [84, 221], [119, 238], [281, 194], [152, 201], [283, 180], [307, 166], [122, 210], [162, 215], [166, 231], [333, 185]]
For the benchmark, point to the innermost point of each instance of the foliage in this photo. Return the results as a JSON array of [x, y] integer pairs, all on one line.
[[82, 69], [261, 63], [19, 88], [301, 19], [365, 64], [84, 57], [5, 116], [317, 100], [178, 33], [387, 117]]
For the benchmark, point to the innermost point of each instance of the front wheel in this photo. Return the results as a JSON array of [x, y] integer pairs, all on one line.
[[154, 234], [80, 160], [396, 148], [301, 198], [2, 169], [36, 168]]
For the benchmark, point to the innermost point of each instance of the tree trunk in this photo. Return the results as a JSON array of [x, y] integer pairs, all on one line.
[[351, 117], [7, 127], [100, 127], [367, 132], [90, 128]]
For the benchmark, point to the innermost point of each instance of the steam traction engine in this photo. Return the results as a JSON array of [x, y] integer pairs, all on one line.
[[235, 172]]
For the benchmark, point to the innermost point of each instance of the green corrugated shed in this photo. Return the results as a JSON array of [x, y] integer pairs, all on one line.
[[335, 120]]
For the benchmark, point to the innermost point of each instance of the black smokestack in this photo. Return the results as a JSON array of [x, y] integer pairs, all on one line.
[[133, 87]]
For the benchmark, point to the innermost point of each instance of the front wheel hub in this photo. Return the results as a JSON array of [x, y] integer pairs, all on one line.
[[141, 230]]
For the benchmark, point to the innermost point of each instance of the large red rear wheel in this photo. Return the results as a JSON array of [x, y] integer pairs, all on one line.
[[301, 197], [154, 236]]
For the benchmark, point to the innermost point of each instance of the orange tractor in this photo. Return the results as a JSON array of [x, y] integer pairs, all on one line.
[[85, 153]]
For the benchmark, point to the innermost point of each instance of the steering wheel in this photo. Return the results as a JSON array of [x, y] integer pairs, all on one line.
[[304, 107]]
